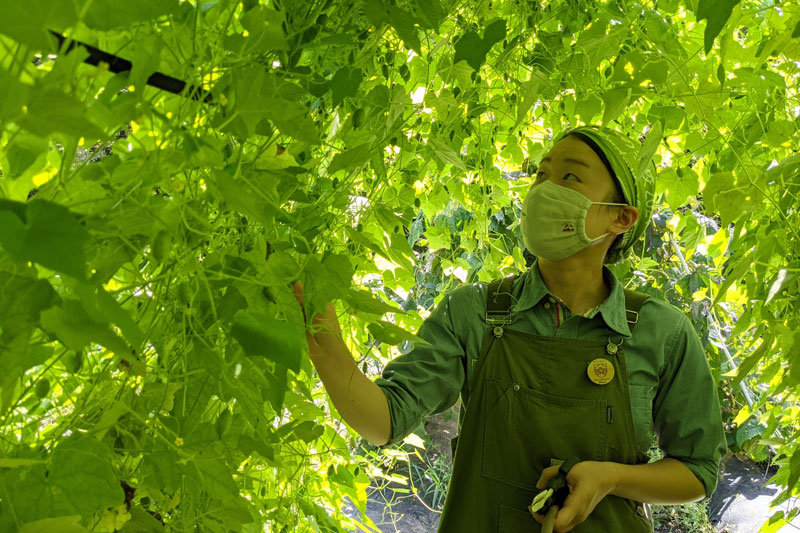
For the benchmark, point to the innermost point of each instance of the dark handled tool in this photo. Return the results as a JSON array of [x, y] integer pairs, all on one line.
[[116, 64], [550, 499]]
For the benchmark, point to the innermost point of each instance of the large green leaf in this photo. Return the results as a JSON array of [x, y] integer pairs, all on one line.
[[82, 471], [473, 49], [393, 334], [265, 336], [50, 236], [717, 13], [28, 22], [51, 110], [108, 14], [76, 329]]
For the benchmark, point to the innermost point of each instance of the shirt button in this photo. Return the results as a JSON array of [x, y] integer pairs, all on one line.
[[551, 300], [547, 305], [516, 387]]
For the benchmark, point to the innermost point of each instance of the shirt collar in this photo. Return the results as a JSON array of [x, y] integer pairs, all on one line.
[[612, 310]]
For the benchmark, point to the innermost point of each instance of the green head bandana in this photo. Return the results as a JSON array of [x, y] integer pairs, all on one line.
[[625, 155]]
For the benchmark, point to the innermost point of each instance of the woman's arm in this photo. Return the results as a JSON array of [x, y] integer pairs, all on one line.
[[361, 402], [663, 482]]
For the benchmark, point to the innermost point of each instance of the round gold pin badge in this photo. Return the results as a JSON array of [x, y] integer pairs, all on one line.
[[600, 371]]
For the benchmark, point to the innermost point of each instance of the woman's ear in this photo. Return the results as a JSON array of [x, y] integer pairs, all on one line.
[[626, 218]]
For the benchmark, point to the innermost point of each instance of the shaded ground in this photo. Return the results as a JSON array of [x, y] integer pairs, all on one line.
[[741, 504]]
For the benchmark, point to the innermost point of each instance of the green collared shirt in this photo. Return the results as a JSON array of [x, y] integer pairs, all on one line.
[[672, 391]]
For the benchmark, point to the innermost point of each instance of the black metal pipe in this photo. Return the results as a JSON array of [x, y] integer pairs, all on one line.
[[116, 64]]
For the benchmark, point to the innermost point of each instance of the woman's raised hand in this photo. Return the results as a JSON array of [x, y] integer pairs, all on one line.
[[325, 325]]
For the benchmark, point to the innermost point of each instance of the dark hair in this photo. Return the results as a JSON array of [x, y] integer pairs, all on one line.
[[616, 196]]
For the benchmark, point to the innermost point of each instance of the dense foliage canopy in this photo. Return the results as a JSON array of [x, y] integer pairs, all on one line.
[[152, 366]]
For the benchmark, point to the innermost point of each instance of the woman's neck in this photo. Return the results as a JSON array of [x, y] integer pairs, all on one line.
[[576, 284]]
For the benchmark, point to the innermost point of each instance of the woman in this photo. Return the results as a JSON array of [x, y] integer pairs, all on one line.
[[548, 369]]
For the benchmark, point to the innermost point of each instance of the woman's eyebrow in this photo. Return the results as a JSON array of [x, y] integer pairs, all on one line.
[[568, 160]]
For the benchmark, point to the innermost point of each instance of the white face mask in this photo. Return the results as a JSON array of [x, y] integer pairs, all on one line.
[[553, 221]]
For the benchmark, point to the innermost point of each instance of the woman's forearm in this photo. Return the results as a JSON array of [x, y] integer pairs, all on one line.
[[663, 482], [359, 400]]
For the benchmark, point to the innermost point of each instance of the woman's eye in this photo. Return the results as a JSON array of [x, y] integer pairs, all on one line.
[[540, 174]]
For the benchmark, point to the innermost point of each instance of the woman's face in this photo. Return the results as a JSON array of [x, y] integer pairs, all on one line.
[[572, 163]]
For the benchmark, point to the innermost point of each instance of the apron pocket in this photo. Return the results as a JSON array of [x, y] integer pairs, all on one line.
[[517, 521], [525, 428]]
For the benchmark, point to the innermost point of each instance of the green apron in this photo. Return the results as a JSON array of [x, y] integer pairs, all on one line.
[[532, 404]]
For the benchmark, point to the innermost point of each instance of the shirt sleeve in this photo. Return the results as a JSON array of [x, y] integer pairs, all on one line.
[[687, 417], [428, 379]]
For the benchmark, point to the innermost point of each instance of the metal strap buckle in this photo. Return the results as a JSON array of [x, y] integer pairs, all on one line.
[[635, 316]]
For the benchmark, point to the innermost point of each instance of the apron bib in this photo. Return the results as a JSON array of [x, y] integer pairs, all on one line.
[[535, 401]]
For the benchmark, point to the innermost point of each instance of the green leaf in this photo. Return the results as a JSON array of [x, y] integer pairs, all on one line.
[[366, 302], [350, 159], [24, 298], [750, 362], [103, 308], [402, 21], [50, 110], [82, 469], [345, 83], [588, 107], [23, 152], [52, 237], [720, 195], [431, 12], [162, 469], [615, 101], [717, 12], [109, 14], [446, 154], [214, 477], [241, 196], [261, 335], [392, 334], [473, 49], [62, 524], [76, 329], [142, 522], [27, 22], [780, 281], [796, 31], [13, 233], [265, 32], [794, 468], [340, 269], [10, 462], [743, 265], [13, 94], [649, 147]]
